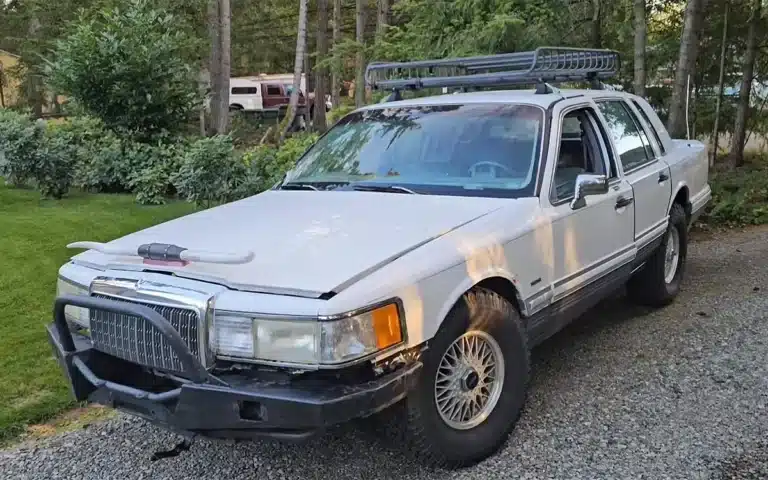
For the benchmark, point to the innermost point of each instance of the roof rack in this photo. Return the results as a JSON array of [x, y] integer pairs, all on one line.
[[545, 64]]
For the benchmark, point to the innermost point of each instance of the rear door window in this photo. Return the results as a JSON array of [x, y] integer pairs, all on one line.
[[650, 126], [631, 143]]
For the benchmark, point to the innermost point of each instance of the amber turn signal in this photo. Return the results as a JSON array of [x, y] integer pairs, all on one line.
[[386, 326]]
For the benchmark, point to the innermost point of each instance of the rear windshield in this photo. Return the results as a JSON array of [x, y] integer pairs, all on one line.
[[471, 149]]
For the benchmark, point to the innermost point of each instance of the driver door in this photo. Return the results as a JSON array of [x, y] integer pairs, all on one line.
[[593, 240]]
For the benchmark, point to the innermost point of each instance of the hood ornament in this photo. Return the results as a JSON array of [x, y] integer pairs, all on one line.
[[157, 253]]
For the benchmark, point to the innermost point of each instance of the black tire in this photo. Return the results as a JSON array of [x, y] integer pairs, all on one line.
[[416, 421], [648, 285]]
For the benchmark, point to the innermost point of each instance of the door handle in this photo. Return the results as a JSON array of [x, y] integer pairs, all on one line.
[[663, 177], [623, 202]]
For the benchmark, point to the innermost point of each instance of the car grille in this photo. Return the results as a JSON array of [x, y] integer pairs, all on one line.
[[136, 340]]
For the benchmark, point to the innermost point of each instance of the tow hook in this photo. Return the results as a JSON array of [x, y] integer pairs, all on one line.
[[182, 446]]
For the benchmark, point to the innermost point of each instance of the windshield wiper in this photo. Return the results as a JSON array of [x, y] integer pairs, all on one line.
[[298, 186], [383, 188]]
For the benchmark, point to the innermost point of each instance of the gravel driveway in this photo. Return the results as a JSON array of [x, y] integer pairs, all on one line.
[[622, 393]]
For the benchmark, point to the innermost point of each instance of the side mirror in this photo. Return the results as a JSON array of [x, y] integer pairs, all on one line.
[[586, 185]]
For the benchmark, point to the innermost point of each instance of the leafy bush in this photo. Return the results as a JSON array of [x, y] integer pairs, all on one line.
[[107, 163], [103, 166], [267, 164], [20, 141], [740, 197], [154, 169], [338, 113], [127, 67], [248, 129], [210, 172], [54, 168]]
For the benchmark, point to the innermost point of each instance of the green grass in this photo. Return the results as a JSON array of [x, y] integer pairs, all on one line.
[[33, 238]]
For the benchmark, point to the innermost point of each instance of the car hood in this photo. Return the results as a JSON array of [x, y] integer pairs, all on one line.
[[304, 243]]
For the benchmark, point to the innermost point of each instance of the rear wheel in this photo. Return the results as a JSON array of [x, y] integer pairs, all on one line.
[[658, 282], [472, 386]]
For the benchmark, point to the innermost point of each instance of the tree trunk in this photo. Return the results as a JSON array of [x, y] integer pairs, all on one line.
[[34, 81], [686, 64], [716, 129], [595, 37], [301, 42], [360, 57], [640, 39], [382, 16], [214, 68], [736, 157], [226, 65], [321, 74], [336, 74]]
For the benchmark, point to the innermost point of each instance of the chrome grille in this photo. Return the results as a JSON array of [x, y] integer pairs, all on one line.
[[136, 340]]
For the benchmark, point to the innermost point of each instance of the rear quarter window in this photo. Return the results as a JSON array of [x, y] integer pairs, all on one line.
[[650, 126]]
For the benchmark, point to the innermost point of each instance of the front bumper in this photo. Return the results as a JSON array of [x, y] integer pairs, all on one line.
[[234, 405]]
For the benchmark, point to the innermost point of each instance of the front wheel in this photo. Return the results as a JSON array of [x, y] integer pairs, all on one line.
[[658, 282], [473, 384]]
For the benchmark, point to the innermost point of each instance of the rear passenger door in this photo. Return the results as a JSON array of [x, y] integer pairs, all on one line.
[[642, 166]]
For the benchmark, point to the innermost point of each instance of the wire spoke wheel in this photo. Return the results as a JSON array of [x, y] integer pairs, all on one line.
[[671, 255], [469, 380]]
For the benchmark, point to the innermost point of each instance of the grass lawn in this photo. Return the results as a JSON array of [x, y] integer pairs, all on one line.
[[33, 238]]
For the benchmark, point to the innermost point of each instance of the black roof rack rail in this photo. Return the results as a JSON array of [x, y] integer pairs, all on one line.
[[545, 64]]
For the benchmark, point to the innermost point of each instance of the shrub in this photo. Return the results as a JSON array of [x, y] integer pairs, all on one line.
[[267, 165], [259, 162], [108, 163], [154, 170], [54, 168], [20, 141], [740, 197], [338, 113], [128, 68], [103, 166], [210, 172], [248, 128]]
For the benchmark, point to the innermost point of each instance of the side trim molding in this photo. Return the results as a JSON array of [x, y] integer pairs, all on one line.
[[553, 318]]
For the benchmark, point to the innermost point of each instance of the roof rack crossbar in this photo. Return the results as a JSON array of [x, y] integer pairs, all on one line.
[[545, 64]]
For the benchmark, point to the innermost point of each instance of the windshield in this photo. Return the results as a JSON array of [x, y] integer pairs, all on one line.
[[474, 149]]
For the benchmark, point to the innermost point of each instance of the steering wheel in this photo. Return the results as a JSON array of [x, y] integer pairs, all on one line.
[[495, 165]]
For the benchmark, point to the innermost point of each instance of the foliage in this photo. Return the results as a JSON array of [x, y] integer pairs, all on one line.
[[466, 27], [33, 239], [54, 167], [20, 140], [152, 171], [127, 67], [267, 165], [338, 113], [248, 129], [210, 172], [103, 166], [740, 197], [103, 162]]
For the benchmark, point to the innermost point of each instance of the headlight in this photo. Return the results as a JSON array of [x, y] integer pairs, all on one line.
[[77, 315], [307, 341]]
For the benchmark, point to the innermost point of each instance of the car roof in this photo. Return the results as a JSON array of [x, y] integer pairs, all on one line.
[[529, 97]]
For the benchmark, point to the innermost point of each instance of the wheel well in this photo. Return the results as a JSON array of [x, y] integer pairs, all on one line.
[[236, 106], [682, 199], [503, 287]]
